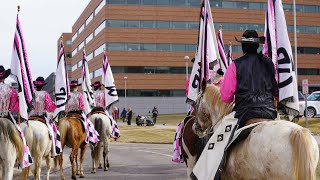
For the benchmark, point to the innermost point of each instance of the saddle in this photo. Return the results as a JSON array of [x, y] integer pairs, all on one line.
[[37, 118], [98, 112], [78, 116]]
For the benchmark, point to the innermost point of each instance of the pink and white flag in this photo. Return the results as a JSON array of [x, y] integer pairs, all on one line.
[[224, 61], [277, 46], [111, 95], [88, 98], [207, 52]]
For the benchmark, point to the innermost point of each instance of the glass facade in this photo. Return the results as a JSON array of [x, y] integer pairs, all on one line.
[[150, 47], [308, 71], [152, 93], [215, 4], [99, 28], [149, 70]]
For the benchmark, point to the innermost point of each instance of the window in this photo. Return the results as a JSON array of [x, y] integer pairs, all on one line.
[[98, 72], [74, 37], [194, 3], [90, 56], [314, 97], [69, 55], [147, 24], [91, 75], [242, 5], [308, 8], [287, 7], [99, 28], [179, 3], [116, 47], [163, 24], [69, 67], [178, 47], [311, 29], [133, 1], [193, 25], [163, 47], [81, 46], [253, 5], [74, 67], [74, 52], [100, 6], [216, 3], [149, 2], [79, 63], [99, 50], [149, 47], [81, 29], [133, 47], [69, 42], [89, 19], [89, 38], [226, 4], [80, 80], [115, 23], [163, 2], [179, 25], [116, 1], [133, 24]]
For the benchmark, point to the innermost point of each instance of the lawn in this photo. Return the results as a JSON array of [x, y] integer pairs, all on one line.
[[146, 134], [170, 119], [314, 124]]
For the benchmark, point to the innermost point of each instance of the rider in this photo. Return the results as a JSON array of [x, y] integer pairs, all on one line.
[[42, 105], [9, 101], [250, 81], [75, 103]]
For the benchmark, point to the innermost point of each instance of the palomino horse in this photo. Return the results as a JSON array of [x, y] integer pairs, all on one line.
[[40, 145], [273, 150], [73, 135], [11, 148], [103, 126]]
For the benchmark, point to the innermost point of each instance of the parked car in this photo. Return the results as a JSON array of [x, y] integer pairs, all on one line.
[[144, 120], [313, 102]]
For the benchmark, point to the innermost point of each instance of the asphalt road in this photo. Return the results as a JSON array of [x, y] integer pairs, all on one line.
[[131, 161]]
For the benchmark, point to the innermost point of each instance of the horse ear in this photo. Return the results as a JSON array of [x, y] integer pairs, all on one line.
[[204, 85]]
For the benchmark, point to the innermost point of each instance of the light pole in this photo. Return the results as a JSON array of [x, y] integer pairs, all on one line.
[[125, 91], [186, 58]]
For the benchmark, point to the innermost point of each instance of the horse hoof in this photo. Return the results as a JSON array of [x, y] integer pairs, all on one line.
[[81, 176], [106, 169], [100, 167], [93, 171], [73, 177], [77, 174]]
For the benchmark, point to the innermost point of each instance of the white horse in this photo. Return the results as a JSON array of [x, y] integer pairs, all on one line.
[[102, 125], [11, 148], [40, 145], [273, 150]]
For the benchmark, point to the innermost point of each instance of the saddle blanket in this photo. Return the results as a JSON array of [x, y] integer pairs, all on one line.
[[177, 154], [211, 162], [115, 134], [55, 136], [92, 136]]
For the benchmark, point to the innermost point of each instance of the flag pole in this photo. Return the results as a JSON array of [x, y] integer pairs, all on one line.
[[19, 118], [295, 37], [220, 29]]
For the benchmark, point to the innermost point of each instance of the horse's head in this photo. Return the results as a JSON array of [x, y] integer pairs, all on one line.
[[209, 109]]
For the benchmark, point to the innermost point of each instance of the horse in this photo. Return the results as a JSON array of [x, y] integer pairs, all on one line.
[[11, 148], [40, 145], [73, 135], [103, 126], [273, 150]]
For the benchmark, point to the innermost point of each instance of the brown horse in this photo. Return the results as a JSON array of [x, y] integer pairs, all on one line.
[[73, 135]]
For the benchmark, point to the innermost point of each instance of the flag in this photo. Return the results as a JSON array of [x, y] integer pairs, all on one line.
[[62, 89], [207, 52], [20, 72], [229, 55], [223, 61], [88, 97], [277, 46], [111, 95]]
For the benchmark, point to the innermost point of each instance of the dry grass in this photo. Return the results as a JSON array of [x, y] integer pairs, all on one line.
[[145, 134], [313, 124], [170, 119]]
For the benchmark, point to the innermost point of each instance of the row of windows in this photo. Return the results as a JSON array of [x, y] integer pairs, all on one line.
[[149, 70], [215, 4], [308, 71], [195, 25], [151, 93], [89, 19]]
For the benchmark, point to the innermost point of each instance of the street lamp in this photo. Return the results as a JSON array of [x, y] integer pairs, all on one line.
[[125, 91], [186, 58]]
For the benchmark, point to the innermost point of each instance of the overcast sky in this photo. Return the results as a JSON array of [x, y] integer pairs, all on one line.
[[42, 23]]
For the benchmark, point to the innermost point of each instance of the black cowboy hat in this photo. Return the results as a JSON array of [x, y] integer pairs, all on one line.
[[39, 81], [251, 37], [220, 72], [4, 73], [74, 83], [96, 84]]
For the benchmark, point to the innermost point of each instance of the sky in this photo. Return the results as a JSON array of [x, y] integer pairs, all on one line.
[[42, 22]]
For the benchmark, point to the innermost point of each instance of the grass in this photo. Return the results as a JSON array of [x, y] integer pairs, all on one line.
[[146, 134], [170, 119], [313, 124]]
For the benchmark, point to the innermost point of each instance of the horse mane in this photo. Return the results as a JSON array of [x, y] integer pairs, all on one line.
[[9, 132], [213, 99]]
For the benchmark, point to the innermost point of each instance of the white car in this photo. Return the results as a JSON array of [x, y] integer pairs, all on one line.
[[313, 105]]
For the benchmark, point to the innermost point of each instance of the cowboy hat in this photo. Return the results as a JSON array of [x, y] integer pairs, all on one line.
[[74, 83], [39, 81], [4, 73], [96, 84], [251, 37]]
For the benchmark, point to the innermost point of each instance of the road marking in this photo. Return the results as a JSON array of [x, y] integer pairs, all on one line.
[[155, 153]]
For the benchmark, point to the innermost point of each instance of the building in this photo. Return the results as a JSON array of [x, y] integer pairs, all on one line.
[[147, 40]]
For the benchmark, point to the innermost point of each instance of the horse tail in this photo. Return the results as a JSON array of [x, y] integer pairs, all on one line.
[[17, 141], [98, 126], [304, 159]]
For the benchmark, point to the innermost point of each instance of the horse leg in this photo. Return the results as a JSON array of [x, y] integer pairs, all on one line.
[[105, 154], [77, 165], [83, 150], [37, 167], [93, 149], [25, 173], [191, 163], [61, 169], [72, 157], [48, 166], [7, 168]]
